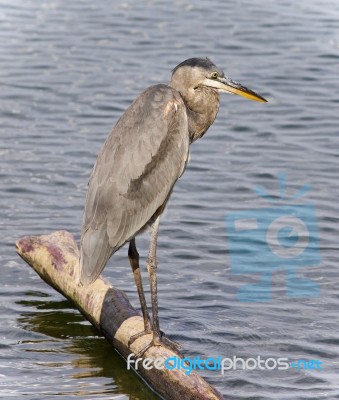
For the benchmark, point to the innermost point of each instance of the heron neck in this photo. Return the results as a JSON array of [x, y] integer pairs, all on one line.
[[202, 109]]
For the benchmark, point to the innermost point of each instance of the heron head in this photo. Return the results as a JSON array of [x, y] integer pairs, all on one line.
[[197, 72]]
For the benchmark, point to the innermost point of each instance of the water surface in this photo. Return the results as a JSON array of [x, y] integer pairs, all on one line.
[[67, 72]]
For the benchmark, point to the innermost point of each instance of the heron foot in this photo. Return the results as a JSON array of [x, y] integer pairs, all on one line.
[[133, 338], [171, 345], [162, 340], [172, 342]]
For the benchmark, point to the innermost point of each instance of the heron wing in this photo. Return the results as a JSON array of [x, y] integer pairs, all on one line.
[[133, 176]]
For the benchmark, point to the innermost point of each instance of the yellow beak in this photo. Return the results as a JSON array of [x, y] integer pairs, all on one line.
[[229, 86]]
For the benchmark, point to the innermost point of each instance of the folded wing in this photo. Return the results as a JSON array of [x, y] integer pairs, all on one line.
[[134, 174]]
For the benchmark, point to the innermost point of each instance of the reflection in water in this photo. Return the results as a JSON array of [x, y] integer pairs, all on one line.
[[64, 331]]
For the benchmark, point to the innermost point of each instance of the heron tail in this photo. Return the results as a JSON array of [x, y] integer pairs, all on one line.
[[95, 252]]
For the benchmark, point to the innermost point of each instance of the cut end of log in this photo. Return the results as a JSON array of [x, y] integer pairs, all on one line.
[[58, 249]]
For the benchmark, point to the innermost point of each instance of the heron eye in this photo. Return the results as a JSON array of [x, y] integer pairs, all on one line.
[[214, 75]]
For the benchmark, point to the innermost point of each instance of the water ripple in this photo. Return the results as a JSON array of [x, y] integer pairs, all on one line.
[[67, 72]]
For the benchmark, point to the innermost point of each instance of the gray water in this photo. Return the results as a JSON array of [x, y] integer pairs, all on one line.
[[67, 72]]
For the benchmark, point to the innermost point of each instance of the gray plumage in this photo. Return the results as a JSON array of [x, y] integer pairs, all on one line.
[[133, 175], [143, 157]]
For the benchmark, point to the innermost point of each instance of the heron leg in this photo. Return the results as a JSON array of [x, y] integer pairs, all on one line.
[[133, 256], [152, 265], [158, 337]]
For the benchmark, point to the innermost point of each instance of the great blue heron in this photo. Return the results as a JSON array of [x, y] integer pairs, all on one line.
[[133, 177]]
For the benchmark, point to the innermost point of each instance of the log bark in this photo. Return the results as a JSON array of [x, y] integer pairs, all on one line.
[[55, 258]]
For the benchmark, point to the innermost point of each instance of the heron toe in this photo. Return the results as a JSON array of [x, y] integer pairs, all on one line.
[[163, 341], [170, 343], [133, 338]]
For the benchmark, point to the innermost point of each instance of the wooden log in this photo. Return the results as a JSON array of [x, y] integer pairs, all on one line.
[[55, 258]]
